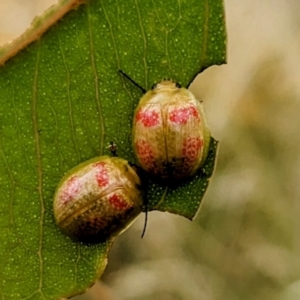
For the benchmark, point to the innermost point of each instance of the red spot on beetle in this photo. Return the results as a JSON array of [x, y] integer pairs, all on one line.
[[118, 202], [70, 190], [191, 150], [145, 154], [149, 117], [181, 115], [101, 176]]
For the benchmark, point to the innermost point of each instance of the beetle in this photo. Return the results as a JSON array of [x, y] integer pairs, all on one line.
[[170, 136], [98, 199]]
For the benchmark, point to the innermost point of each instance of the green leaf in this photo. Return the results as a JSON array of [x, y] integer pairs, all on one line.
[[63, 100]]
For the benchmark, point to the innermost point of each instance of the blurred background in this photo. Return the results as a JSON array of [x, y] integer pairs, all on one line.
[[245, 240]]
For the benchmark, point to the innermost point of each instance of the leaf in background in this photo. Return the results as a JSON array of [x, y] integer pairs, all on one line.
[[62, 101]]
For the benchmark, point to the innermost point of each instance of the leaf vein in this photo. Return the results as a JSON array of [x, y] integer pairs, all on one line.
[[71, 115], [95, 73], [205, 33], [39, 166], [145, 43]]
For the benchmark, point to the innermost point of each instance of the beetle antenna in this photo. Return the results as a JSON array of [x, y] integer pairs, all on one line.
[[132, 81], [146, 220]]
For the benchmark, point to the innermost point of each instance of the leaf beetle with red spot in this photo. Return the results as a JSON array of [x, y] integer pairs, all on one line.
[[170, 134], [98, 199]]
